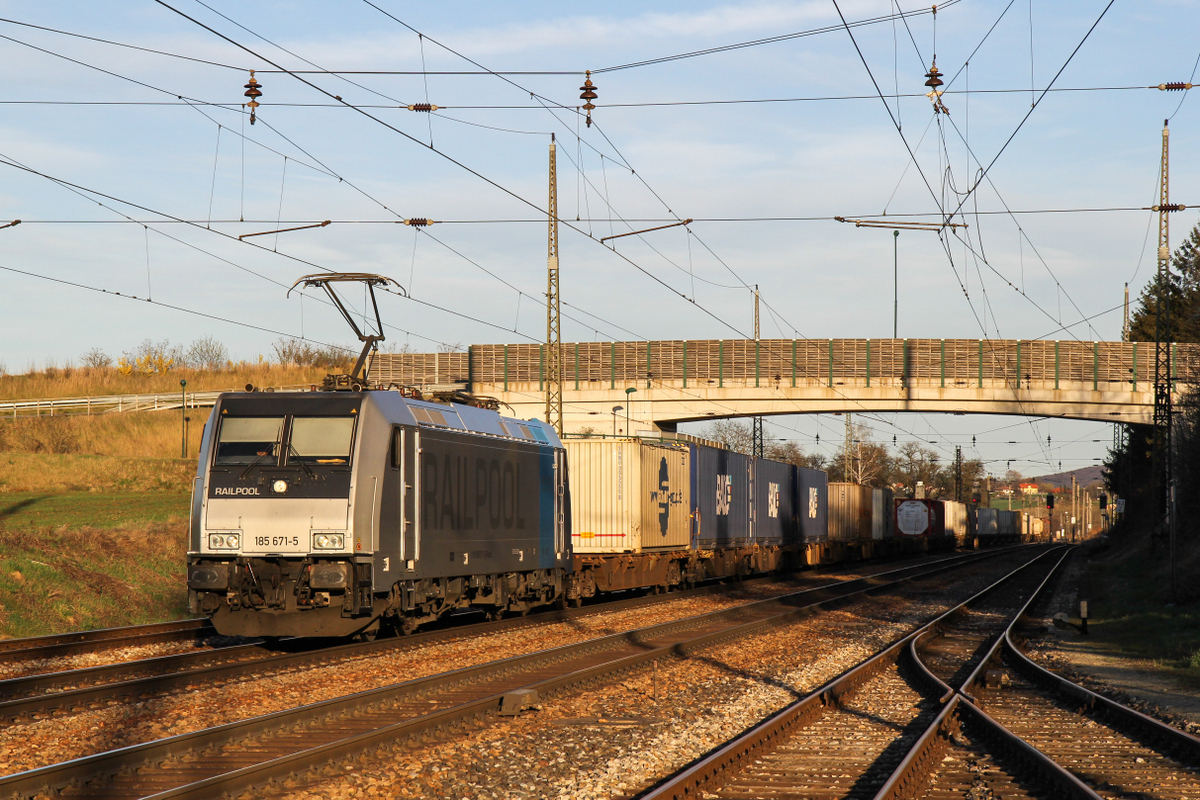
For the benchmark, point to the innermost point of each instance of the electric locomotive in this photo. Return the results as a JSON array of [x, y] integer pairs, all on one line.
[[335, 513]]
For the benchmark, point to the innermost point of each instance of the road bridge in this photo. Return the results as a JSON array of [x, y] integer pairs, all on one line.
[[664, 383]]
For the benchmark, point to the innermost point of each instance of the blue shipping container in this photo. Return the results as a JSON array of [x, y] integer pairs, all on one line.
[[721, 496], [812, 504], [774, 514]]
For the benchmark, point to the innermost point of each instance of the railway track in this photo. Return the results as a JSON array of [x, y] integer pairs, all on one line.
[[73, 689], [1116, 751], [952, 710], [48, 647], [848, 737], [239, 755]]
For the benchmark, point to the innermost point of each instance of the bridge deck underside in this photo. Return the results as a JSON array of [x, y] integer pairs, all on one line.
[[688, 380], [663, 403]]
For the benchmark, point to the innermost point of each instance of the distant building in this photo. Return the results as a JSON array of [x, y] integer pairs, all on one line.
[[1029, 488]]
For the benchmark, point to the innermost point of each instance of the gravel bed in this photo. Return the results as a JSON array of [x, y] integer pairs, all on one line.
[[55, 738], [616, 740], [99, 657]]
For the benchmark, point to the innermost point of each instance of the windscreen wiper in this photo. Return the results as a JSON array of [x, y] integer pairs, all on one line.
[[274, 450], [292, 451]]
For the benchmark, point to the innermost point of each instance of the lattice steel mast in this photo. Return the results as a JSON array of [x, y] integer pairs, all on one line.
[[1162, 462], [554, 413]]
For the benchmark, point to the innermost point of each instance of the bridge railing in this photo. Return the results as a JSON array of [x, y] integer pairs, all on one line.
[[949, 363]]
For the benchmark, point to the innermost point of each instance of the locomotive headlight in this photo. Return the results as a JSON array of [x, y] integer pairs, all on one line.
[[224, 541], [279, 487], [329, 541]]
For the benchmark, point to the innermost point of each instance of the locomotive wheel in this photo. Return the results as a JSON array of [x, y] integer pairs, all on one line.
[[407, 626]]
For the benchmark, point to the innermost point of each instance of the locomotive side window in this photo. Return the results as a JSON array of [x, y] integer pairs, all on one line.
[[249, 440], [321, 440]]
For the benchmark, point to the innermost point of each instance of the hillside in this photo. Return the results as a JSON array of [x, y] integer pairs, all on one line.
[[1084, 477]]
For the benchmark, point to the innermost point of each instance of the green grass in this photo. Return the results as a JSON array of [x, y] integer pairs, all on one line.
[[96, 510], [55, 580], [1131, 615]]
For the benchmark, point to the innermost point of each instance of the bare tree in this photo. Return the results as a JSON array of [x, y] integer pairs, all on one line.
[[790, 453], [869, 464], [206, 353], [96, 359], [731, 434]]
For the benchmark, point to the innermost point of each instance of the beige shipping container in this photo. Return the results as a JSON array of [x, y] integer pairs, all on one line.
[[850, 507], [956, 519], [628, 495]]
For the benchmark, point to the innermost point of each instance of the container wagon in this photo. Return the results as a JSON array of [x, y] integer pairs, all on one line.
[[630, 496]]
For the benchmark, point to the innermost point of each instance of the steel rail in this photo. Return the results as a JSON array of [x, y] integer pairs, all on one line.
[[85, 641], [625, 651], [1141, 728], [1152, 732], [960, 709], [710, 770], [927, 753], [49, 691], [291, 764]]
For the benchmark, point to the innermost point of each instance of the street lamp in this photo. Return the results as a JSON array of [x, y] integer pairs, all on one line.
[[895, 281], [628, 402], [615, 410]]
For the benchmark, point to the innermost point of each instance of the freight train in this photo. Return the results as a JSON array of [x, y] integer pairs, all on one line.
[[339, 513]]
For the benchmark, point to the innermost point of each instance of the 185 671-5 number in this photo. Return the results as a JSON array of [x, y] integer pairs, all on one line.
[[277, 541]]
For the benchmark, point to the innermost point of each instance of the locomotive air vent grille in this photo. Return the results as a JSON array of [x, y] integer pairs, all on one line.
[[429, 415]]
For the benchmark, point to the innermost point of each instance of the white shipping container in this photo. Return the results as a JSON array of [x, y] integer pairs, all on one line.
[[987, 524], [956, 519], [628, 495]]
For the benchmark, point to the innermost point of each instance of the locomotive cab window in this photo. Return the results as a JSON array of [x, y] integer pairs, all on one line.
[[321, 440], [249, 440]]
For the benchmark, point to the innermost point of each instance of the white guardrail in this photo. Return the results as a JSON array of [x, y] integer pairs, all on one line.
[[117, 403]]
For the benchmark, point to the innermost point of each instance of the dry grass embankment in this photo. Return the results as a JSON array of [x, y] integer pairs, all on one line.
[[106, 453], [102, 381], [56, 580]]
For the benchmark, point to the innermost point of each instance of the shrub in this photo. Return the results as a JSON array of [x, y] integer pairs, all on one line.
[[304, 354], [206, 353], [150, 357]]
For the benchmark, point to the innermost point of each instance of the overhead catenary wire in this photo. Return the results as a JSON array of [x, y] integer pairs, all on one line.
[[727, 324]]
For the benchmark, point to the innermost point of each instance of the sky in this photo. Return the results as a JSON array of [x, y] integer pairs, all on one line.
[[134, 171]]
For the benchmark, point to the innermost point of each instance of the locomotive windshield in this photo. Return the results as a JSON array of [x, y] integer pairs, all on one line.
[[260, 441], [249, 440], [321, 440]]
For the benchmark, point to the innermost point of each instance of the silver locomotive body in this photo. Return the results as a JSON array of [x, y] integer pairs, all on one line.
[[331, 513]]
